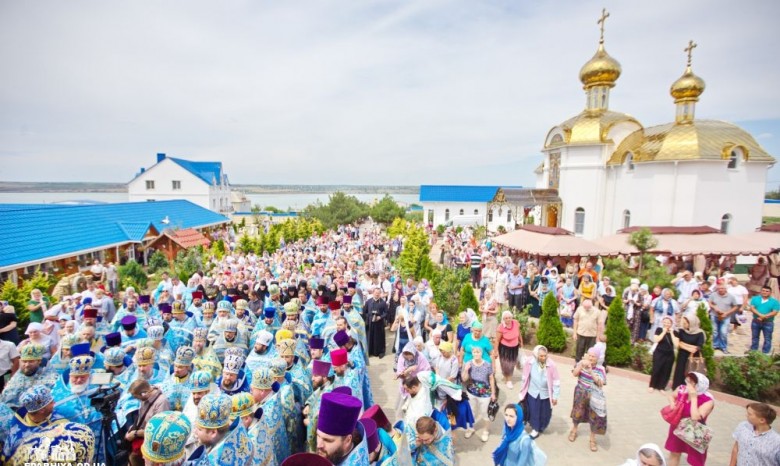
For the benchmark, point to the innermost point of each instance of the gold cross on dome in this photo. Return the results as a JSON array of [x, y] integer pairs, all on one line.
[[601, 21], [691, 45]]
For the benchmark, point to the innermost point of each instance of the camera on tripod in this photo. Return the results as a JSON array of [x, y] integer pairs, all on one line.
[[105, 399]]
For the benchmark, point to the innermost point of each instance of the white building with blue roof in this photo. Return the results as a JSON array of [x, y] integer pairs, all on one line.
[[202, 183], [460, 205]]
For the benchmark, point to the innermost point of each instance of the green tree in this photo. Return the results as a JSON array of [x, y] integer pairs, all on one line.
[[18, 296], [643, 240], [653, 273], [132, 274], [468, 300], [187, 263], [618, 336], [551, 334], [415, 247], [426, 268], [446, 285], [341, 209], [256, 214], [707, 352], [218, 249], [272, 209], [387, 210], [157, 261]]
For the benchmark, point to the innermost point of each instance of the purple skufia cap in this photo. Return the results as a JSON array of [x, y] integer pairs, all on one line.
[[372, 436], [320, 368], [338, 414], [113, 339], [341, 338], [346, 299], [343, 390], [316, 343], [306, 459], [128, 322], [144, 299], [79, 350], [164, 308], [351, 285]]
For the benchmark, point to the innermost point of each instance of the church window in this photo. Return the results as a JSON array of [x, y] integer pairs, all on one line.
[[461, 212], [733, 159], [725, 223], [579, 221], [500, 212], [476, 211], [626, 218], [446, 214], [508, 215], [630, 161], [490, 215]]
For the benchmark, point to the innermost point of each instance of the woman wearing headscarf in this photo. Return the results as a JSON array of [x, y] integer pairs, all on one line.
[[567, 297], [489, 309], [466, 319], [590, 379], [409, 364], [690, 340], [541, 389], [509, 342], [480, 383], [475, 339], [648, 454], [664, 344], [403, 328], [698, 403], [516, 447]]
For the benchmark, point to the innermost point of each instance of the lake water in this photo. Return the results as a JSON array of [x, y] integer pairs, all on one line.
[[295, 201]]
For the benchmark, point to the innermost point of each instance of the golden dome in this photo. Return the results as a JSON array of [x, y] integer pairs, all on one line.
[[699, 140], [601, 70], [687, 87], [591, 127]]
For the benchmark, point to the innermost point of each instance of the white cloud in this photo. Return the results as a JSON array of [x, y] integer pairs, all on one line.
[[350, 91]]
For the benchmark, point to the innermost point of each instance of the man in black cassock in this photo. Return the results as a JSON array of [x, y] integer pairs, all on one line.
[[374, 314]]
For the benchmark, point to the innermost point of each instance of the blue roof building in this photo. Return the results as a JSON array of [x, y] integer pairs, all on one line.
[[34, 234], [203, 183], [453, 205]]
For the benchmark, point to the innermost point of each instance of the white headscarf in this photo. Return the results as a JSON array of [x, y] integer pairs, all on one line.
[[647, 446]]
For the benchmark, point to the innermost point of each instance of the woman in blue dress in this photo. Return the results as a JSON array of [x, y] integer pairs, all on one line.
[[516, 447]]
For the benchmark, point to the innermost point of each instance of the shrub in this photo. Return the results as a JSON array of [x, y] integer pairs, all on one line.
[[501, 229], [618, 336], [752, 376], [187, 263], [158, 261], [525, 323], [551, 332], [468, 299], [707, 352], [441, 229], [641, 359], [132, 274], [18, 296], [446, 284]]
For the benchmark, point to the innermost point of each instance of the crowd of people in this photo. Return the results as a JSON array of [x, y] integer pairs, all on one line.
[[263, 360]]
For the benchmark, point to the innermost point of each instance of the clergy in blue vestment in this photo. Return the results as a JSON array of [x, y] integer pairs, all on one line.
[[430, 443], [131, 332], [268, 322], [336, 428], [262, 352], [165, 437], [251, 417], [148, 369], [177, 387], [291, 408], [356, 323], [320, 317], [36, 412], [357, 364], [233, 379], [182, 318], [31, 372], [223, 442], [164, 357], [343, 375], [265, 392]]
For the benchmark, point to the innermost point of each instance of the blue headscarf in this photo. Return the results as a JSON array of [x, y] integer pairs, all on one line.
[[510, 435]]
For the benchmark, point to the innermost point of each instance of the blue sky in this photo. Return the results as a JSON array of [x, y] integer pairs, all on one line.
[[349, 91]]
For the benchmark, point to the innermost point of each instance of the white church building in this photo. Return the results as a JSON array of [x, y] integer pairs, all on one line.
[[611, 172], [202, 183]]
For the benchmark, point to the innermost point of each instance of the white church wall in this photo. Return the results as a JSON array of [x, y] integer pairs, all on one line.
[[582, 185], [440, 211]]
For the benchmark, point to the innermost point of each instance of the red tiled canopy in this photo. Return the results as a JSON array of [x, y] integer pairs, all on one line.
[[187, 237]]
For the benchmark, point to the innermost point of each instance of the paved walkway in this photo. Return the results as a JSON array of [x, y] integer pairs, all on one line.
[[633, 416]]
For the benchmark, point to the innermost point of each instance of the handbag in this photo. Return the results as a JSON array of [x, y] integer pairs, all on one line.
[[672, 414], [598, 402], [492, 410], [696, 364], [694, 434], [564, 310]]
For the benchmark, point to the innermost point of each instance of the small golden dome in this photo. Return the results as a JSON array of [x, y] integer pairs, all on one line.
[[601, 70], [687, 87]]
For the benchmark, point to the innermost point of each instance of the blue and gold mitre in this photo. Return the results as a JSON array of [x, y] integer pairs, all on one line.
[[177, 307], [243, 403], [286, 348], [144, 343], [278, 367], [234, 360], [214, 411], [200, 334], [165, 436], [32, 352], [201, 381], [224, 305], [155, 332], [262, 379], [144, 356], [81, 365], [114, 357], [36, 398], [184, 356], [60, 442]]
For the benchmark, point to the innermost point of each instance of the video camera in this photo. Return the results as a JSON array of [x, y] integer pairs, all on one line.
[[105, 399]]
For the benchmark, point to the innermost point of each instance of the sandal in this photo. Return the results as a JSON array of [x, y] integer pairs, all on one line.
[[572, 435], [593, 446]]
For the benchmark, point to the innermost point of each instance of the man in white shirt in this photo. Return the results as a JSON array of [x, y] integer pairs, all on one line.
[[740, 294], [9, 361], [685, 285]]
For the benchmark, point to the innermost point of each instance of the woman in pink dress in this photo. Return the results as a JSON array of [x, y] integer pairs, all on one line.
[[697, 405]]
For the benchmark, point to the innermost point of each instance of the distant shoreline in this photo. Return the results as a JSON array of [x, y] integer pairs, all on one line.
[[35, 187]]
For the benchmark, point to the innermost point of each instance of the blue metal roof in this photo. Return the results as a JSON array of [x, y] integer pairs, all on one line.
[[206, 171], [444, 193], [33, 233]]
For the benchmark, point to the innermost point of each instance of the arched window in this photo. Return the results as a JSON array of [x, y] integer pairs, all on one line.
[[579, 221], [626, 218], [461, 212], [733, 159], [476, 211], [446, 214], [490, 215], [630, 162], [508, 215], [725, 223]]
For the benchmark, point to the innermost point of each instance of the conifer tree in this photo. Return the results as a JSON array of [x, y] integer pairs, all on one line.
[[618, 335], [551, 334], [707, 352], [468, 299]]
